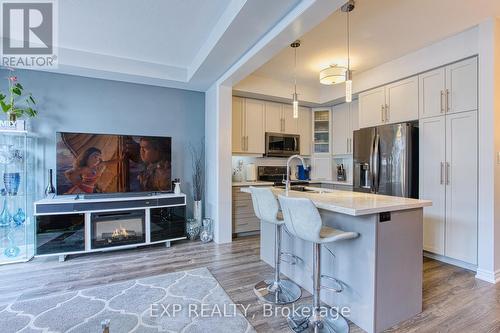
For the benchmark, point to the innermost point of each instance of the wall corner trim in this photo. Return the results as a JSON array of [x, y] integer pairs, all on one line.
[[488, 276]]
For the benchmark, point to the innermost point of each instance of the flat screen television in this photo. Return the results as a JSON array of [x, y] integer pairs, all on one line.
[[109, 163]]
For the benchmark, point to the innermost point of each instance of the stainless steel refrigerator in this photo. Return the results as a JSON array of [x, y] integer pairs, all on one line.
[[386, 160]]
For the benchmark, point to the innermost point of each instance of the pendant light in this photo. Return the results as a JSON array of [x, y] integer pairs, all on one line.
[[347, 8], [295, 99]]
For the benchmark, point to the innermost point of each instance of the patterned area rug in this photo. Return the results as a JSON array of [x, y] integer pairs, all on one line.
[[189, 301]]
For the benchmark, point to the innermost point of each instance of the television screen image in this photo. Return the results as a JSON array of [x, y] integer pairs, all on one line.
[[106, 163]]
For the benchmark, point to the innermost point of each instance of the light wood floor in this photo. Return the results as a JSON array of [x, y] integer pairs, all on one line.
[[453, 300]]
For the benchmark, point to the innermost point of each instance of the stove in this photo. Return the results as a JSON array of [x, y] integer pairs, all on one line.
[[277, 175]]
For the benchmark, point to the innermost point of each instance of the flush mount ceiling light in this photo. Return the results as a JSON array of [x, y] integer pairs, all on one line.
[[332, 75], [295, 99], [347, 8]]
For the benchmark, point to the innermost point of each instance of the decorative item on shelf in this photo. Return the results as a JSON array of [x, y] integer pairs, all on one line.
[[5, 217], [197, 160], [238, 172], [50, 190], [207, 233], [6, 154], [177, 186], [12, 250], [11, 104], [19, 217], [11, 181], [192, 228]]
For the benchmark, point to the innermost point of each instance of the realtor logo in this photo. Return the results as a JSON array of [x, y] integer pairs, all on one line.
[[28, 33]]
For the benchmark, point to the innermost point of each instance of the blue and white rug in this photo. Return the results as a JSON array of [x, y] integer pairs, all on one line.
[[189, 301]]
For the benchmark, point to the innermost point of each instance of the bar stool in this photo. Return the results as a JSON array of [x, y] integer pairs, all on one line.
[[303, 220], [275, 291]]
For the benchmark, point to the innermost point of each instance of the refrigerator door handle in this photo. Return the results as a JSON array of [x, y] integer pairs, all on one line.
[[376, 160], [372, 178]]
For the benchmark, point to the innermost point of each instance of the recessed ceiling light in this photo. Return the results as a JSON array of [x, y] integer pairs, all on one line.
[[332, 75]]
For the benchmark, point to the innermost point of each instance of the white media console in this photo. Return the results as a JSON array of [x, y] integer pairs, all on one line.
[[69, 224]]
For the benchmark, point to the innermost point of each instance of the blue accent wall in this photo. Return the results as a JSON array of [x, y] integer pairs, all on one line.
[[69, 103]]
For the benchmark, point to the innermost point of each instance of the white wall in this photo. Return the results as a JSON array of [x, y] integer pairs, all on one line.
[[218, 160], [489, 144], [78, 104]]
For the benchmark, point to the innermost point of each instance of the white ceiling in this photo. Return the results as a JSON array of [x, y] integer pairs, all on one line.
[[175, 43], [381, 30]]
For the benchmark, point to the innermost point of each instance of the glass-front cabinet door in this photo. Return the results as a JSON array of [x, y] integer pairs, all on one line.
[[17, 194], [321, 131]]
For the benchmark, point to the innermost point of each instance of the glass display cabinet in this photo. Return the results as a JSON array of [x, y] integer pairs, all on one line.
[[17, 189]]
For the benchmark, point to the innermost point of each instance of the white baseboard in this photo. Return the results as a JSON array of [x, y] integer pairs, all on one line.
[[451, 261], [488, 276]]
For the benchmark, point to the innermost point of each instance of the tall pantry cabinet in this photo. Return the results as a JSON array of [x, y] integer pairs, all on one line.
[[449, 159]]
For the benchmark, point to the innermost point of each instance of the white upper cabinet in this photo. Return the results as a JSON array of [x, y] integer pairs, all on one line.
[[274, 117], [238, 135], [450, 89], [372, 107], [279, 118], [248, 126], [305, 130], [254, 126], [401, 101], [461, 85], [432, 159], [341, 129], [432, 89], [290, 123]]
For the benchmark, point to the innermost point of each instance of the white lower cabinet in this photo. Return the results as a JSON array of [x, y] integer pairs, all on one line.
[[461, 186], [448, 177]]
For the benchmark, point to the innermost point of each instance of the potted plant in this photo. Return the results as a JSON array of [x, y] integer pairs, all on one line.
[[198, 181], [17, 103]]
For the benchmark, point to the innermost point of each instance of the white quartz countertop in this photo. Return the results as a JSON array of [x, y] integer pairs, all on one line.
[[354, 203], [256, 183]]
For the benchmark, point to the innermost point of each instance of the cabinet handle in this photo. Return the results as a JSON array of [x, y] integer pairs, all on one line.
[[447, 100], [246, 144], [442, 98], [441, 173], [447, 173], [243, 143], [382, 112], [386, 112]]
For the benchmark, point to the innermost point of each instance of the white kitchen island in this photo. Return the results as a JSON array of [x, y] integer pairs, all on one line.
[[381, 269]]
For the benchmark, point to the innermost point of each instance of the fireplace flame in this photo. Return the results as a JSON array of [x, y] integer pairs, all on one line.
[[119, 232]]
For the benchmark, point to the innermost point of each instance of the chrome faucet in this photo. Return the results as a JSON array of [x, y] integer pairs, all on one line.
[[287, 181]]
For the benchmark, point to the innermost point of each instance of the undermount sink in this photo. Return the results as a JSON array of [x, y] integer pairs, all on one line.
[[300, 188]]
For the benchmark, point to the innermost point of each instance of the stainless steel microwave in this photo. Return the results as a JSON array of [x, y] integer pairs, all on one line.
[[282, 145]]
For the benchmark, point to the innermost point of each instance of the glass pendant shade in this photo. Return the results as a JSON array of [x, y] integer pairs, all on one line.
[[295, 104], [348, 87]]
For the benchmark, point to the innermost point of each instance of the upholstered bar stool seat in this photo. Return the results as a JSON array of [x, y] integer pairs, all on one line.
[[276, 291], [302, 219]]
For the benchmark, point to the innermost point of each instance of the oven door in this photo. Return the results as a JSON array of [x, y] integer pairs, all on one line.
[[282, 145]]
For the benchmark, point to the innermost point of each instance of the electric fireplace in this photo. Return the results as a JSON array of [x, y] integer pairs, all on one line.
[[117, 229]]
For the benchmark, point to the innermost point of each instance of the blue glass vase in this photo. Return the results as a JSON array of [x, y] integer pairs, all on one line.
[[11, 181], [19, 218], [12, 250], [4, 215]]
